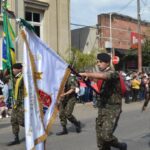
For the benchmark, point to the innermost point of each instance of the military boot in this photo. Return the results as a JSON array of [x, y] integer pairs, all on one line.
[[121, 146], [107, 148], [78, 127], [76, 123], [15, 142], [63, 132]]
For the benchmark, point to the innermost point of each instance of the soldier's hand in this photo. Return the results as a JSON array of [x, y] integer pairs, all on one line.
[[62, 95], [84, 74]]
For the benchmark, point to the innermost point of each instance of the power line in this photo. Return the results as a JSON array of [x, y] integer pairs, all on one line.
[[108, 27], [126, 6], [145, 4], [81, 25]]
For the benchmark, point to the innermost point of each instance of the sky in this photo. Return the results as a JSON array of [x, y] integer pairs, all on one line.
[[84, 12]]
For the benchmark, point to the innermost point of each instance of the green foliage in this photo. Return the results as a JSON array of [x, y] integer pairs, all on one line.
[[81, 61], [146, 52]]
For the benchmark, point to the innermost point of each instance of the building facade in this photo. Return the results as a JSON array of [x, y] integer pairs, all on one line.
[[120, 34], [51, 20], [118, 29], [85, 39]]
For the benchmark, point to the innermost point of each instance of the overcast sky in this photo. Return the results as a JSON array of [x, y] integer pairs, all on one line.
[[85, 12]]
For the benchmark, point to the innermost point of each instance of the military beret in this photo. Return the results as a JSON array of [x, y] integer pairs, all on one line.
[[104, 57], [17, 66]]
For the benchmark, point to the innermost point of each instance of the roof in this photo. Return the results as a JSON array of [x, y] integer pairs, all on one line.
[[124, 17]]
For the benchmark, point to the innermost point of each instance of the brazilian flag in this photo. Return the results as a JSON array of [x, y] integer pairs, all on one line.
[[8, 51]]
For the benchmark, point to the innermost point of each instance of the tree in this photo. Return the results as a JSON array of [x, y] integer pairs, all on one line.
[[146, 52], [81, 61]]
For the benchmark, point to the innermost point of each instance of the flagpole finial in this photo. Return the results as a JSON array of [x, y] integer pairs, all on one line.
[[6, 11], [4, 2], [18, 20]]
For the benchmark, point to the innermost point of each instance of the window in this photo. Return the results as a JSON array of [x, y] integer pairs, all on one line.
[[37, 30], [28, 16], [34, 18]]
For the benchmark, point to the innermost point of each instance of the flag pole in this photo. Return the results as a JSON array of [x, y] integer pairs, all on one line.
[[85, 81]]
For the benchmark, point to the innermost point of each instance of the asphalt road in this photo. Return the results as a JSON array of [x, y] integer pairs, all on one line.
[[133, 128]]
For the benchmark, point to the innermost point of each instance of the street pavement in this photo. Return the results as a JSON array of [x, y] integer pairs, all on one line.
[[133, 128]]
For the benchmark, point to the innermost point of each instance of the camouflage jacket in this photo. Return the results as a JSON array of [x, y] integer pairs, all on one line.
[[71, 84], [110, 93]]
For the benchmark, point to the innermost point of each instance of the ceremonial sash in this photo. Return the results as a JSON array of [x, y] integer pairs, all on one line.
[[18, 81]]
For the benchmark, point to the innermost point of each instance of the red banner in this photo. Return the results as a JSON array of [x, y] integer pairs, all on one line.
[[134, 40]]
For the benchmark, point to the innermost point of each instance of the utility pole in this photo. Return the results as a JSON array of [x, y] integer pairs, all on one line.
[[139, 37], [110, 31], [110, 39]]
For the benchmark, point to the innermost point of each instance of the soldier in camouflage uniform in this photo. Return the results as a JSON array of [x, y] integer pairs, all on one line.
[[17, 116], [66, 106], [147, 94], [109, 104]]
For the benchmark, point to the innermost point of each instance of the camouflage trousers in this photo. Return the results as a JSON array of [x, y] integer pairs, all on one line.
[[106, 123], [66, 108], [17, 118]]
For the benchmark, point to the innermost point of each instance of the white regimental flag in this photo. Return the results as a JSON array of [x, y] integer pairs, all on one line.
[[45, 75]]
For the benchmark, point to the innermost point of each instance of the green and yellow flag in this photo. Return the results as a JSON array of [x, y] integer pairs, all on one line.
[[8, 51], [9, 57]]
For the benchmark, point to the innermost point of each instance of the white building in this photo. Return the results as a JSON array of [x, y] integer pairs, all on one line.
[[51, 19]]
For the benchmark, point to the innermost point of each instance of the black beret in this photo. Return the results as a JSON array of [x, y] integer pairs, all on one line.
[[17, 66], [104, 57]]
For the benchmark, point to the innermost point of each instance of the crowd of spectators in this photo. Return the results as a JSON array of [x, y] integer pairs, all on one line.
[[137, 88], [5, 95]]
